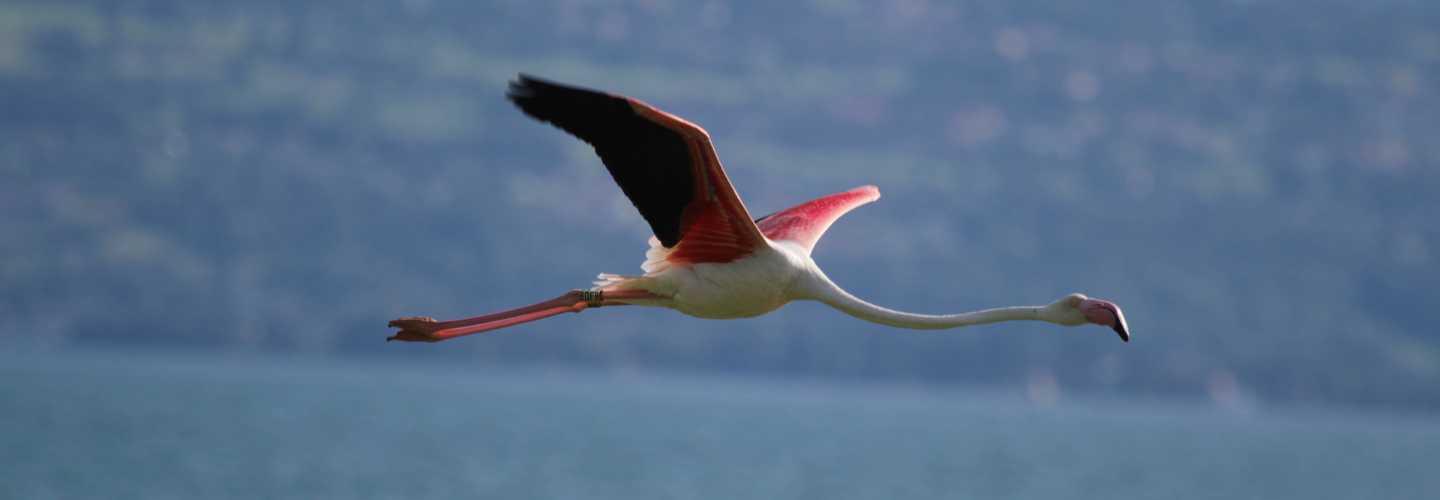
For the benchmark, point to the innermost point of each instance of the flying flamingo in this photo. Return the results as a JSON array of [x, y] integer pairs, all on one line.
[[707, 258]]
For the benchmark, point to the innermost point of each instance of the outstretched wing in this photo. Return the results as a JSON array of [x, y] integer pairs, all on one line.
[[804, 223], [664, 164]]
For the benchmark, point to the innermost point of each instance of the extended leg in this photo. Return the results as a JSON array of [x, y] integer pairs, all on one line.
[[428, 330]]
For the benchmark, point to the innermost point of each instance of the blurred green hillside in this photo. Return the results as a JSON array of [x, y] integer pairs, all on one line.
[[1254, 182]]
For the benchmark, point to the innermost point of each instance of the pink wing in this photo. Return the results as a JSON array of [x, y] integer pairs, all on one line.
[[804, 223], [715, 227], [664, 165]]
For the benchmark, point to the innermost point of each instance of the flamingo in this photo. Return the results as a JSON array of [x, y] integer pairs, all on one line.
[[708, 259]]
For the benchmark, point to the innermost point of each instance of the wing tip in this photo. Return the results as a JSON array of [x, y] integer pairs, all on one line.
[[533, 95], [523, 86], [868, 189]]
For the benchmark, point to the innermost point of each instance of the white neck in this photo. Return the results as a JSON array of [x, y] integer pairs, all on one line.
[[819, 287]]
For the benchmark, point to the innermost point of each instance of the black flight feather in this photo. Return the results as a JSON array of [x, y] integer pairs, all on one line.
[[650, 162]]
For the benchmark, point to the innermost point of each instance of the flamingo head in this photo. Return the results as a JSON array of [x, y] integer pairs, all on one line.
[[1076, 309]]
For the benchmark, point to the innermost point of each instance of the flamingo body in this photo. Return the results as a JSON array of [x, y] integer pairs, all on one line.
[[742, 288], [761, 281], [708, 259]]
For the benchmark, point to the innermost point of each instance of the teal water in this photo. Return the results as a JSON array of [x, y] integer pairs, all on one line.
[[149, 426]]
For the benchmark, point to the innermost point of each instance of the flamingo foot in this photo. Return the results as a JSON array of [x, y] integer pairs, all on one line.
[[415, 329]]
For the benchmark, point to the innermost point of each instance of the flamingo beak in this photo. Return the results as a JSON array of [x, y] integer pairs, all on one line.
[[1106, 314]]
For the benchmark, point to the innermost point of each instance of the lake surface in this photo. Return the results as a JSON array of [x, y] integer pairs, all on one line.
[[170, 426]]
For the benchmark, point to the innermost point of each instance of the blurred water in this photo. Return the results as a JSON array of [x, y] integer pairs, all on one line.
[[150, 426]]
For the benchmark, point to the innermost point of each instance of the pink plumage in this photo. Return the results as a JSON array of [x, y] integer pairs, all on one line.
[[804, 223]]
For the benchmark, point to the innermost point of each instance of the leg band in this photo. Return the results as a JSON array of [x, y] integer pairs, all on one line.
[[590, 297]]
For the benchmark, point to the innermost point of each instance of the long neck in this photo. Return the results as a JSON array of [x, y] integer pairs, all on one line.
[[822, 289]]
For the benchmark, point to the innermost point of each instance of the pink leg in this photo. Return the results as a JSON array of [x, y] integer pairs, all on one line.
[[418, 329]]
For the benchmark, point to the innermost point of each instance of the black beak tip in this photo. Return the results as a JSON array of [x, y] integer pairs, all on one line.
[[1124, 335]]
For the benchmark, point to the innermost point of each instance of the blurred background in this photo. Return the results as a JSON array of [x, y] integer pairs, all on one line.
[[1254, 182]]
